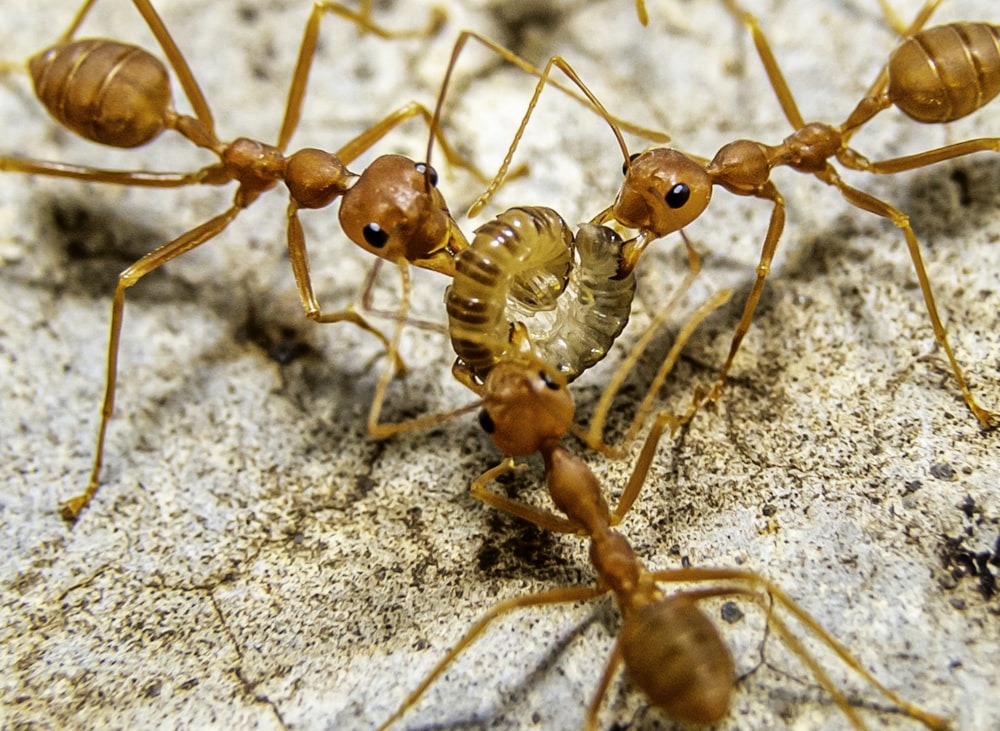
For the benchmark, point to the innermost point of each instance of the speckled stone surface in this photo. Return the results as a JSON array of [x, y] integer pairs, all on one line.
[[254, 560]]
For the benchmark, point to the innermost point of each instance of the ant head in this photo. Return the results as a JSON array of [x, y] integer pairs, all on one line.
[[675, 655], [664, 190], [526, 403], [395, 212]]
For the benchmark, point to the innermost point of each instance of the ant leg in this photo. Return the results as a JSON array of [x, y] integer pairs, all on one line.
[[640, 10], [897, 24], [774, 228], [593, 436], [664, 418], [303, 281], [74, 26], [383, 431], [614, 662], [564, 595], [184, 74], [588, 99], [71, 508], [774, 74], [367, 304], [544, 519], [873, 101], [307, 51], [209, 175], [850, 158], [864, 201], [376, 430], [756, 586], [543, 79], [376, 132]]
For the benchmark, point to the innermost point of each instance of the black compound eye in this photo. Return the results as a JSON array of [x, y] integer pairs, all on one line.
[[631, 159], [424, 168], [375, 236], [678, 195], [548, 380], [486, 422]]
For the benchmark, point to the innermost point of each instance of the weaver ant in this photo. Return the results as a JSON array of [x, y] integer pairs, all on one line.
[[118, 94], [668, 645], [665, 189]]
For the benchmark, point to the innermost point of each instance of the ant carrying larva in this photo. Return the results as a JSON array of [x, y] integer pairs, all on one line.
[[668, 645], [936, 74]]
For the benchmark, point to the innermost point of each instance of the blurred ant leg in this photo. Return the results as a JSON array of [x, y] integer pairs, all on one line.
[[610, 669], [368, 305], [902, 28], [383, 431], [774, 74], [74, 26], [864, 201], [565, 595], [71, 508], [755, 586], [640, 10], [307, 51]]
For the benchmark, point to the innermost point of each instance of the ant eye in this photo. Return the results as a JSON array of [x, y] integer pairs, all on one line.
[[486, 422], [375, 236], [548, 381], [678, 195], [424, 168], [631, 158]]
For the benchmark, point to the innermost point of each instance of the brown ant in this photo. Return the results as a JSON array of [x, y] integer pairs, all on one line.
[[118, 94], [937, 74], [668, 645]]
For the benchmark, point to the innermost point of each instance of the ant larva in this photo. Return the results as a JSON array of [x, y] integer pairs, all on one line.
[[118, 94], [935, 75], [563, 285]]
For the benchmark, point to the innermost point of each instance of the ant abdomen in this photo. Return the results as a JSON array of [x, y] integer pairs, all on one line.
[[113, 93], [675, 655], [944, 73]]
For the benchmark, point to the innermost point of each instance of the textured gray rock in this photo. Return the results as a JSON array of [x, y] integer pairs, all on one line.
[[253, 560]]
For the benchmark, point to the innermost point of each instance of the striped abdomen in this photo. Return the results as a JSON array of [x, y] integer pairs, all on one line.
[[524, 253], [108, 92], [944, 73], [510, 274]]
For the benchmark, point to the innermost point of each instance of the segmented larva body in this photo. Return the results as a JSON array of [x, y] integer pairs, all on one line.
[[525, 266]]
